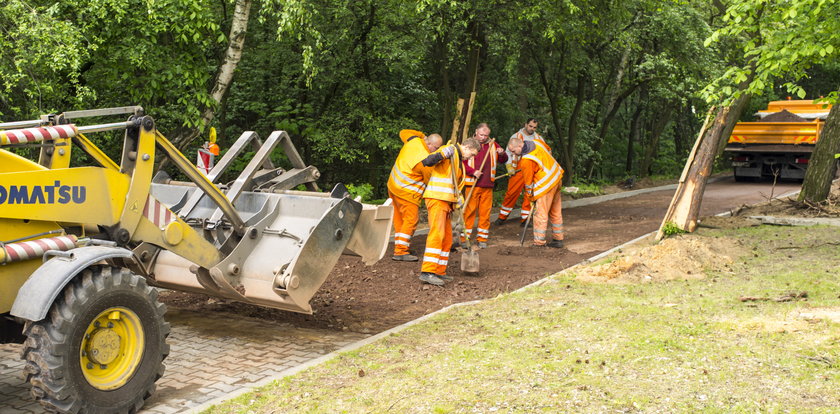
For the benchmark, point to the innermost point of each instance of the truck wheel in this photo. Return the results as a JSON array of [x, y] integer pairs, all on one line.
[[101, 347]]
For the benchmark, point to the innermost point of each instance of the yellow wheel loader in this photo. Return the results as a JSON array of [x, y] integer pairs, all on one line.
[[82, 248]]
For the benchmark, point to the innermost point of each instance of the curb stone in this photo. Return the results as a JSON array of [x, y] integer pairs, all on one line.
[[396, 329]]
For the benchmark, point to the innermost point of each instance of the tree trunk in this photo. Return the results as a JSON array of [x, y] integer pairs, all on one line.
[[685, 206], [567, 154], [224, 76], [471, 75], [605, 127], [446, 97], [653, 144], [635, 131], [822, 166]]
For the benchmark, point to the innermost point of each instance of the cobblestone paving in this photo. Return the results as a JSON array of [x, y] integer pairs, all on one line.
[[211, 355]]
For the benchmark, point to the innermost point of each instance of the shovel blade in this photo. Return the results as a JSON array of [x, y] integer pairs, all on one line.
[[470, 262]]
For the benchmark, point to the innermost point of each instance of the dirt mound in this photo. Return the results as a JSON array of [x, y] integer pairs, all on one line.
[[783, 116], [678, 258]]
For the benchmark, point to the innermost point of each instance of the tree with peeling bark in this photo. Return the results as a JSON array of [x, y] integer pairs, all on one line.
[[793, 37], [224, 76]]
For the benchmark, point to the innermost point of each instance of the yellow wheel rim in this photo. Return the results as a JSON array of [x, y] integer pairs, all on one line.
[[112, 348]]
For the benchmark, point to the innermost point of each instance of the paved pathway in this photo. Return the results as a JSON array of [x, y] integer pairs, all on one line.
[[215, 354], [211, 356]]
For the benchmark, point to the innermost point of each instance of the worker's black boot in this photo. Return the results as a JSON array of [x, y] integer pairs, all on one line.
[[499, 222], [557, 244], [405, 258], [431, 279]]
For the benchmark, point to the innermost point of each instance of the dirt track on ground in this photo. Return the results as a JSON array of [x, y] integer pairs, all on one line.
[[371, 299]]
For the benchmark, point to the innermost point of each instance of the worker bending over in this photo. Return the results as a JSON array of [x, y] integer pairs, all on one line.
[[515, 182], [480, 179], [542, 176], [441, 196], [406, 185]]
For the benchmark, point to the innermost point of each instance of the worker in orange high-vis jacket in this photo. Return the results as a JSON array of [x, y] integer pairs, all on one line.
[[442, 196], [515, 182], [406, 184], [542, 176], [480, 179]]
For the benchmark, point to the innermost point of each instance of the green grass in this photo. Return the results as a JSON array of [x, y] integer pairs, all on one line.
[[680, 346]]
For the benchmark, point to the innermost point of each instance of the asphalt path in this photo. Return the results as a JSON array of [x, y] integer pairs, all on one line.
[[213, 356]]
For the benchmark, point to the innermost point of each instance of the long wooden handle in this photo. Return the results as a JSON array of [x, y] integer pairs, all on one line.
[[458, 194], [486, 156]]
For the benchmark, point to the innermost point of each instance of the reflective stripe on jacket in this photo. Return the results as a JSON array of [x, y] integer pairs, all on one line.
[[547, 176], [408, 176], [440, 185]]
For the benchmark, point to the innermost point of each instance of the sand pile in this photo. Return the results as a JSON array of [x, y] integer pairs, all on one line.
[[677, 258]]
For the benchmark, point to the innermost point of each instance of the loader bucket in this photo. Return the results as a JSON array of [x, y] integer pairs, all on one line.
[[292, 242]]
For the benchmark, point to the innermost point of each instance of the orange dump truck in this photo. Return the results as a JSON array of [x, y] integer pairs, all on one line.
[[780, 142]]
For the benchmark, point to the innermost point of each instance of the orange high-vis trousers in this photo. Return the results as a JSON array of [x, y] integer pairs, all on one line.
[[439, 240], [516, 183], [480, 204], [549, 211], [405, 222]]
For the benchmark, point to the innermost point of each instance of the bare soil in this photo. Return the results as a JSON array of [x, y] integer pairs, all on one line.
[[370, 299], [677, 258]]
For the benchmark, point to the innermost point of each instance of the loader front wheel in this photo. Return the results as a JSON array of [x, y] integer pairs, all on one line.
[[101, 347]]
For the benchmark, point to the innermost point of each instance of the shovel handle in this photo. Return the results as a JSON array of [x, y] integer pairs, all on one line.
[[484, 161], [525, 229]]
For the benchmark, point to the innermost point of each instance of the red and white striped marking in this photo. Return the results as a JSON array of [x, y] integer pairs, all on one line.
[[35, 248], [30, 135], [157, 213]]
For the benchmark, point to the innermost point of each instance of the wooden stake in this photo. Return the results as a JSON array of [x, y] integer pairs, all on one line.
[[468, 118], [456, 123]]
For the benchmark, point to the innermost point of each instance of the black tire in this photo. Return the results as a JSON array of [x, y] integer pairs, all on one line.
[[743, 179], [54, 346]]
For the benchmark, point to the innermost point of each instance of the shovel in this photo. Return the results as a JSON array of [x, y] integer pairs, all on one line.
[[525, 229], [469, 258]]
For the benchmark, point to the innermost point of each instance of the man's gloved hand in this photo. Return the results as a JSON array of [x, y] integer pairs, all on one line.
[[448, 151], [459, 203], [510, 169]]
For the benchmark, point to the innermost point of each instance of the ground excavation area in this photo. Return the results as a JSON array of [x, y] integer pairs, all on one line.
[[220, 346]]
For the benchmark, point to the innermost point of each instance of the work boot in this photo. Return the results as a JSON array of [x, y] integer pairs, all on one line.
[[445, 278], [482, 245], [499, 222], [431, 279], [523, 223], [405, 258], [558, 244]]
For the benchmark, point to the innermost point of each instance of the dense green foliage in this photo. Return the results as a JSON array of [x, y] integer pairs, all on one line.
[[619, 87]]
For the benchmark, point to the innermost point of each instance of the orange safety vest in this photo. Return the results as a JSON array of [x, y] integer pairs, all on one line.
[[440, 185], [408, 176], [470, 180], [548, 176], [538, 140]]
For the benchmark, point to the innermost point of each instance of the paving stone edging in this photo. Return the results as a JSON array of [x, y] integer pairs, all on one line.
[[396, 329]]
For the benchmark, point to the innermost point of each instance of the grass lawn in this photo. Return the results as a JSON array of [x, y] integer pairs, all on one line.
[[675, 346]]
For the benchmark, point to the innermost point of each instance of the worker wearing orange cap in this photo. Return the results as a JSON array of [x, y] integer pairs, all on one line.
[[406, 184]]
